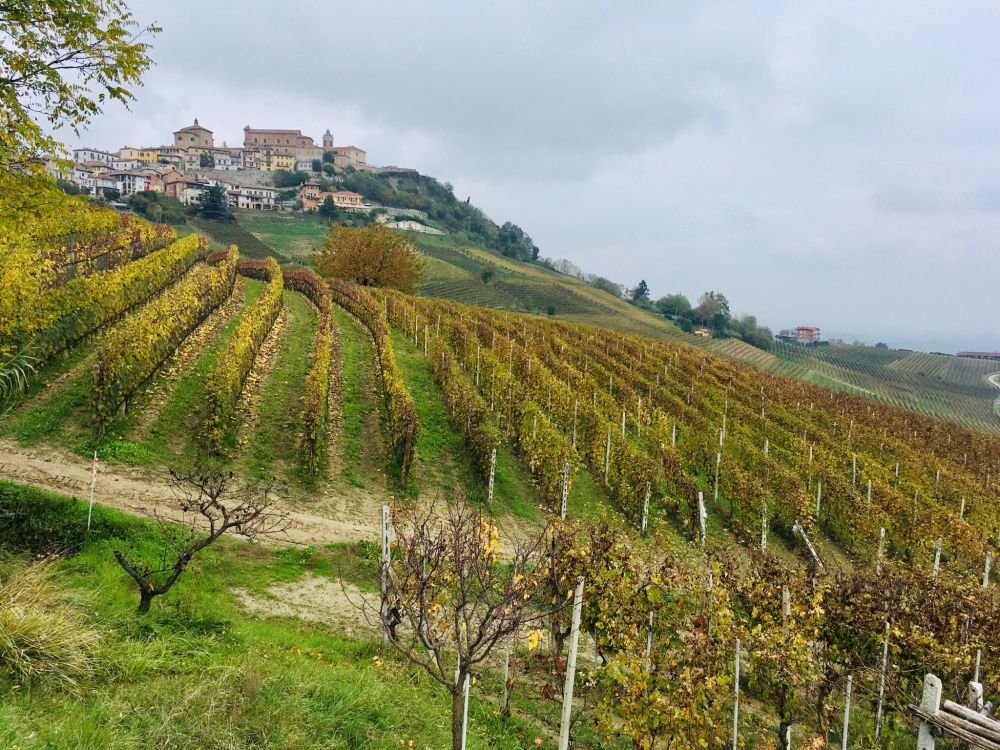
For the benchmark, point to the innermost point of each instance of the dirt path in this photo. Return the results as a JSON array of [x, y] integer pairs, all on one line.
[[144, 493]]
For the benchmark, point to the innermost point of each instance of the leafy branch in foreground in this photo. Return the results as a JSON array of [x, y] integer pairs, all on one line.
[[209, 504]]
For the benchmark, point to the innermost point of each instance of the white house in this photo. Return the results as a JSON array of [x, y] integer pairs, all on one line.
[[81, 155], [131, 181]]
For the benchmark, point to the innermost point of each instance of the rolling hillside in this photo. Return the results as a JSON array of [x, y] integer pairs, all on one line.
[[686, 489]]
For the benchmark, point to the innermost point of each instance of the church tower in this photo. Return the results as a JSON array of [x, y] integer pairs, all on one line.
[[328, 141]]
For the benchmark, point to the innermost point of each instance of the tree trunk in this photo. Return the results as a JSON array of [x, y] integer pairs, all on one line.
[[145, 599], [457, 711]]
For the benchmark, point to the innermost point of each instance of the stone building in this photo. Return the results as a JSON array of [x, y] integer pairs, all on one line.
[[194, 136]]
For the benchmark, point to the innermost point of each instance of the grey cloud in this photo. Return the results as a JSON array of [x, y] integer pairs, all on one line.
[[824, 163]]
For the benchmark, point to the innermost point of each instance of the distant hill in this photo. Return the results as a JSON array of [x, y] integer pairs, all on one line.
[[937, 385]]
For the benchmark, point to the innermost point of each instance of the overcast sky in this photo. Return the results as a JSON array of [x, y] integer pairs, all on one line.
[[833, 164]]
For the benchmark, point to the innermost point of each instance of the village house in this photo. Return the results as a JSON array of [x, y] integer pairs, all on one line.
[[131, 181], [311, 198], [145, 155], [800, 334], [81, 155]]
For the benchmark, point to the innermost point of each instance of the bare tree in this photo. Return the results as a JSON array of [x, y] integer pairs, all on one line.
[[449, 599], [210, 503]]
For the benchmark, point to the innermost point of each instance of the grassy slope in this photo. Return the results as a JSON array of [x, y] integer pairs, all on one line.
[[198, 672], [273, 449]]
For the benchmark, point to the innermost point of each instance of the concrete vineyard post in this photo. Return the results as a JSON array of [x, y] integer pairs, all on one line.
[[565, 490], [574, 640], [736, 700], [718, 461], [477, 366], [819, 496], [881, 550], [937, 556], [854, 469], [986, 572], [386, 561], [786, 607], [881, 681], [979, 656], [673, 436], [623, 423], [645, 507], [930, 703], [763, 528], [649, 639], [702, 516], [847, 713], [493, 471], [869, 492]]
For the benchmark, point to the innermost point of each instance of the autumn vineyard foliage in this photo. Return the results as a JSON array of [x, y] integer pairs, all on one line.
[[225, 384], [904, 511], [131, 352]]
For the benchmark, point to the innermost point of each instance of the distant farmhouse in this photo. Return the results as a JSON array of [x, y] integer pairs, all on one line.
[[800, 335], [193, 163]]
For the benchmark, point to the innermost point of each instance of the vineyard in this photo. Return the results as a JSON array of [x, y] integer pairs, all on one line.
[[713, 509]]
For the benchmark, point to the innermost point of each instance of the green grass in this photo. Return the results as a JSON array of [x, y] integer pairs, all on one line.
[[275, 442], [173, 432], [231, 233], [198, 672], [364, 451], [295, 236], [442, 463]]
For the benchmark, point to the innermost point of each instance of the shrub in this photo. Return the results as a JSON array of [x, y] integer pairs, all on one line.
[[43, 637]]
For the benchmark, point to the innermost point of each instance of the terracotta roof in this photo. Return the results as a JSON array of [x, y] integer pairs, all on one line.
[[273, 130]]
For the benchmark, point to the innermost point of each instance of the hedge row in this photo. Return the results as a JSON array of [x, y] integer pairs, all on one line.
[[398, 401], [225, 384], [133, 351], [89, 303], [325, 366]]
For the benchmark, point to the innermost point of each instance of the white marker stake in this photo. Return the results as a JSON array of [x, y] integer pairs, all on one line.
[[493, 472], [574, 639], [881, 683], [702, 515], [881, 546], [465, 711], [645, 507], [93, 481], [847, 713], [386, 561], [718, 460], [736, 700], [673, 436], [565, 491]]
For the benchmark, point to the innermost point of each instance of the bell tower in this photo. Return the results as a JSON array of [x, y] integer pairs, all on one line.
[[328, 140]]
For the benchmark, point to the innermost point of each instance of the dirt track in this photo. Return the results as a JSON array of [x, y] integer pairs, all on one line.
[[145, 493]]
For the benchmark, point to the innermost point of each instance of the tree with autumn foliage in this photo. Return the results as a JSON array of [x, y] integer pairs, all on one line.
[[449, 599], [369, 256]]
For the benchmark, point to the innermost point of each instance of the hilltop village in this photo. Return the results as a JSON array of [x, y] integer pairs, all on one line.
[[193, 163]]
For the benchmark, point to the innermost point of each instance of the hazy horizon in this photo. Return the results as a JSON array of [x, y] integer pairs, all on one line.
[[827, 166]]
